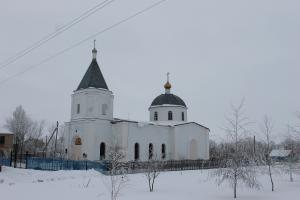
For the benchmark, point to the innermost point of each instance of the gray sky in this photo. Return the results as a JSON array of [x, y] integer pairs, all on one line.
[[217, 52]]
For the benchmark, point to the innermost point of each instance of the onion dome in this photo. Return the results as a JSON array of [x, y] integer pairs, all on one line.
[[168, 85], [168, 98]]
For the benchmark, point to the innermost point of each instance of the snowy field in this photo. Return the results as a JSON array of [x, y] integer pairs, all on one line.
[[91, 185]]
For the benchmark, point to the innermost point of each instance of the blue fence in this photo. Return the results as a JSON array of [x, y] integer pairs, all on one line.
[[62, 164], [51, 164], [5, 161]]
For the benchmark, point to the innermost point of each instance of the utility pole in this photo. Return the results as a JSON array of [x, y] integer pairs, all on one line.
[[50, 138], [55, 139], [46, 149]]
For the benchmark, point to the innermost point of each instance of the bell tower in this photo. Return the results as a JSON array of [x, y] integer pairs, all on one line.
[[92, 98]]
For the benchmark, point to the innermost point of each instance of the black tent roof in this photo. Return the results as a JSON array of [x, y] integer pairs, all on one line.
[[93, 77]]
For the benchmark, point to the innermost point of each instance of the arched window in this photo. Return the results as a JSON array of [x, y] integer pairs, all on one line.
[[150, 151], [104, 109], [78, 109], [163, 151], [182, 116], [102, 151], [155, 116], [170, 115], [136, 151]]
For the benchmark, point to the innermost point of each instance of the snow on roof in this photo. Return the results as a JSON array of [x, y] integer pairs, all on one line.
[[157, 123], [4, 130], [143, 123], [280, 153], [166, 123]]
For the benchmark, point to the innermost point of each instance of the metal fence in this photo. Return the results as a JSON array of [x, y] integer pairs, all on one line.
[[5, 161], [52, 164], [173, 165]]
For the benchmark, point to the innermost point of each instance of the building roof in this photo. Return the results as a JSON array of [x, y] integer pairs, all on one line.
[[93, 77], [280, 153], [4, 131], [185, 123], [157, 123], [169, 99]]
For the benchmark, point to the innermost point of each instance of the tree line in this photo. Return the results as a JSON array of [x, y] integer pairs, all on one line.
[[30, 136]]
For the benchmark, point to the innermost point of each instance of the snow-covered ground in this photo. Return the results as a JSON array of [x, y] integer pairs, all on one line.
[[90, 185]]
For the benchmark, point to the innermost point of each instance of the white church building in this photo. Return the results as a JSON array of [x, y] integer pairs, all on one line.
[[93, 129]]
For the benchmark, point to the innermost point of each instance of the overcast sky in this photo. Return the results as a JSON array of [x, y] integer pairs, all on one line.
[[218, 52]]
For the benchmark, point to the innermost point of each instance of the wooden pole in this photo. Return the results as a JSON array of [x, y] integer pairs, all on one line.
[[55, 139]]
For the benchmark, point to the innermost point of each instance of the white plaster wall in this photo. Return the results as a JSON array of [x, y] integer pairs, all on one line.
[[91, 101], [163, 112], [92, 133], [125, 134], [144, 134], [184, 134]]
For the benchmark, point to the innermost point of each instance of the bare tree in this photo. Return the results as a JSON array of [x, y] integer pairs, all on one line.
[[296, 128], [239, 167], [292, 143], [19, 124], [34, 139], [214, 152], [117, 171], [294, 136], [290, 165], [266, 129], [152, 170]]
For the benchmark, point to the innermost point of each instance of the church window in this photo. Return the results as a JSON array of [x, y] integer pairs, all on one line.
[[150, 151], [155, 116], [104, 109], [78, 108], [182, 116], [163, 151], [170, 115], [136, 151], [102, 151]]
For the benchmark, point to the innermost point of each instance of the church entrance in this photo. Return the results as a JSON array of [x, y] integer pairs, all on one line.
[[102, 151], [193, 155]]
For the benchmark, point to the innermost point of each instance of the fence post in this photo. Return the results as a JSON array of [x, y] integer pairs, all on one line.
[[26, 159], [11, 157], [16, 154]]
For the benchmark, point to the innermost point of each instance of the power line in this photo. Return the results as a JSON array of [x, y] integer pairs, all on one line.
[[84, 40], [54, 34]]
